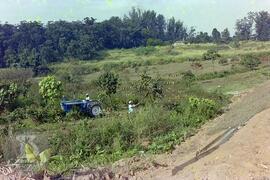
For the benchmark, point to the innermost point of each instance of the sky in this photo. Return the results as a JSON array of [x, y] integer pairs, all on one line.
[[204, 15]]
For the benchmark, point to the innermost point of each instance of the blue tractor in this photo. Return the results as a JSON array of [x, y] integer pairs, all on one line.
[[90, 107]]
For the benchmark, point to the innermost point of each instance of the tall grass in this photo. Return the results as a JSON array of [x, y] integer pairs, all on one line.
[[153, 128]]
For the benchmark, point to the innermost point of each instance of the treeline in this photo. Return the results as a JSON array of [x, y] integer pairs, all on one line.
[[33, 44]]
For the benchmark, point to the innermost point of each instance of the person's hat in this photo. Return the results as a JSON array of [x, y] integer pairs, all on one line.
[[129, 102], [87, 94]]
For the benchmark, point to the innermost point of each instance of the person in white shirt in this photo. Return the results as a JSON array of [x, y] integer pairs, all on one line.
[[131, 107], [87, 98]]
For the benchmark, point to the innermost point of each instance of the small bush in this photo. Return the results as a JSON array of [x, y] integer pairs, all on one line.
[[251, 62], [149, 88], [188, 76], [44, 114], [235, 44], [8, 95], [223, 61], [211, 54], [196, 65], [204, 107], [108, 82], [154, 42]]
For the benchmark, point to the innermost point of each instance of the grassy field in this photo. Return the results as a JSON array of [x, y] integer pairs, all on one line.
[[160, 63], [169, 54]]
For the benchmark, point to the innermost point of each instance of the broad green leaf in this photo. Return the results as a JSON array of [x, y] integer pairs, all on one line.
[[30, 153], [44, 156], [56, 158]]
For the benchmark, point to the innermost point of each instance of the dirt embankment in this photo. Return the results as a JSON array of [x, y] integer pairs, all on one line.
[[245, 156]]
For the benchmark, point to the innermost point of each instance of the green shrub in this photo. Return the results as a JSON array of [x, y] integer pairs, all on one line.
[[205, 107], [188, 76], [235, 44], [149, 87], [223, 61], [211, 54], [8, 95], [108, 82], [251, 62], [154, 42], [50, 89], [44, 114], [14, 116]]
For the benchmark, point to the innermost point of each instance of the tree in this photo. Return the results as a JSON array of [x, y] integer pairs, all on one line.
[[216, 36], [50, 89], [109, 32], [149, 87], [191, 35], [149, 24], [202, 37], [225, 36], [262, 25], [48, 52], [244, 28], [108, 82], [176, 30], [11, 57], [23, 58], [180, 31], [171, 29], [161, 26], [88, 47]]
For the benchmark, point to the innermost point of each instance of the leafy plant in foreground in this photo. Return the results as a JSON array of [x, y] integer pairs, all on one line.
[[39, 159]]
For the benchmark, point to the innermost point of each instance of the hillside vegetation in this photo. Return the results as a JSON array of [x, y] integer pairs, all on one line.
[[179, 88]]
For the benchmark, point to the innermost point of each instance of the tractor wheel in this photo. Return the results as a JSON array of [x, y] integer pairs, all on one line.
[[95, 110]]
